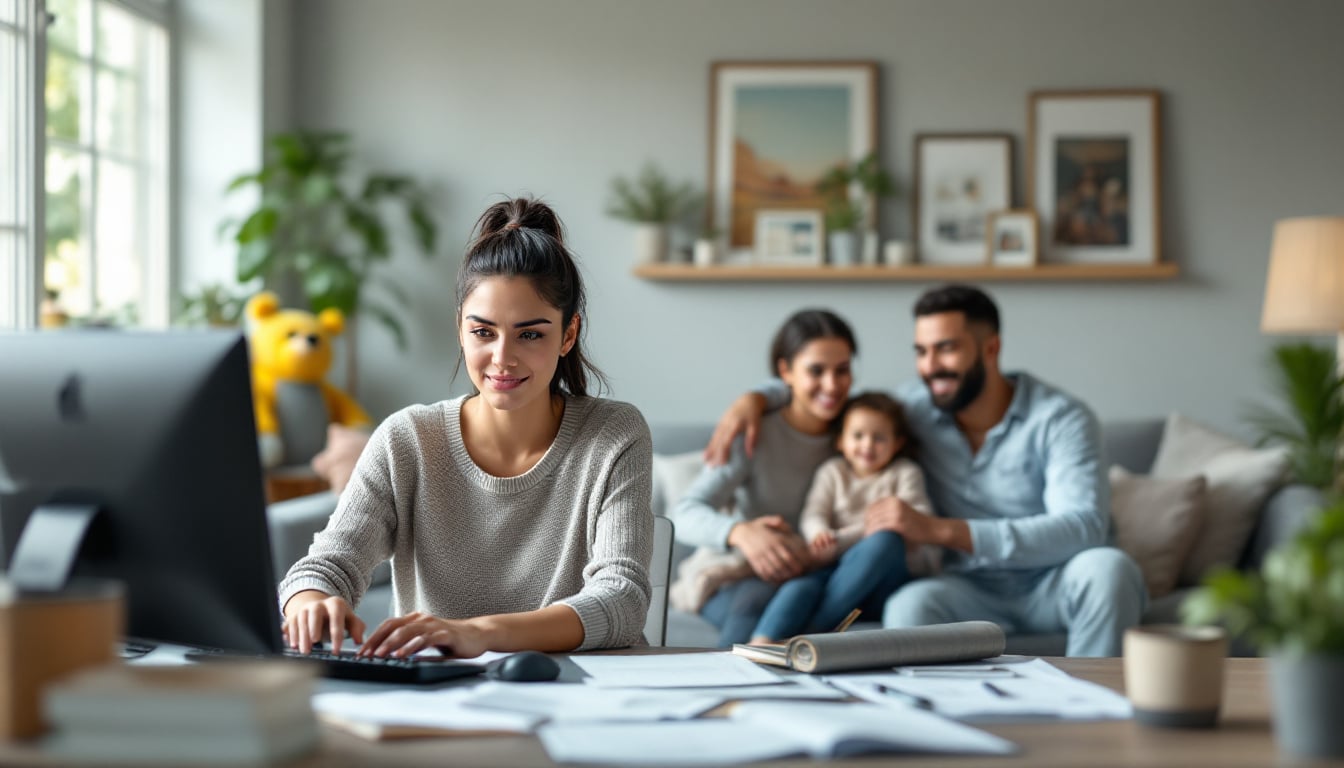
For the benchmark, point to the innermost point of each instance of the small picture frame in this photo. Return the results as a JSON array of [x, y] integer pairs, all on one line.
[[959, 179], [1013, 239], [789, 238]]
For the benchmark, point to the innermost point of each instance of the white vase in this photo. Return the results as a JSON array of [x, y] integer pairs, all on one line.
[[870, 243], [896, 253], [844, 250], [650, 243], [705, 253]]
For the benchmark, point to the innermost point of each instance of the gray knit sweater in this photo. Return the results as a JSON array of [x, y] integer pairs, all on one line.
[[574, 529]]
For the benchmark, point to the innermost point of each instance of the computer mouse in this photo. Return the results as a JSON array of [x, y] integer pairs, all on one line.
[[524, 667]]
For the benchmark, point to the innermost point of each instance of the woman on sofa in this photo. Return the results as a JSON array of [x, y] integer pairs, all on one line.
[[516, 517], [812, 354]]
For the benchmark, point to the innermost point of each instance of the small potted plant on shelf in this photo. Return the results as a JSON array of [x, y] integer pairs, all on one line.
[[844, 212], [653, 202]]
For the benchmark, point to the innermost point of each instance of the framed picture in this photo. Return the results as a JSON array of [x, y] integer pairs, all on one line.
[[789, 238], [1095, 172], [959, 179], [775, 129], [1012, 238]]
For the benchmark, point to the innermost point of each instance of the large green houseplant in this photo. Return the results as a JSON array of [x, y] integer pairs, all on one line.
[[319, 231], [1310, 417]]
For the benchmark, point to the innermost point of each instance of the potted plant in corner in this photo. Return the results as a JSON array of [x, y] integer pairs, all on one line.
[[653, 202], [319, 233], [1293, 608], [844, 212]]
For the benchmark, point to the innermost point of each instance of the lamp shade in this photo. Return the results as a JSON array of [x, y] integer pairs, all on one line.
[[1304, 292]]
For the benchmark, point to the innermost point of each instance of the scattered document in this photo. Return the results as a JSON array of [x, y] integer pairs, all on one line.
[[995, 692], [677, 670], [763, 730], [443, 710], [564, 702]]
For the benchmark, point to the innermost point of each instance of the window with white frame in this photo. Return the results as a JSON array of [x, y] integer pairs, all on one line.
[[105, 258], [18, 116]]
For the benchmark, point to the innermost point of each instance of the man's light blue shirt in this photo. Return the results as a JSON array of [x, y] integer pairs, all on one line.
[[1034, 495]]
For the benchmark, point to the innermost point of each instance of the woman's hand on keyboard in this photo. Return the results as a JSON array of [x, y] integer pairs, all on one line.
[[311, 615], [407, 635]]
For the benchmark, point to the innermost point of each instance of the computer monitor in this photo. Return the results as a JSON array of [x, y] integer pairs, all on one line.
[[155, 431]]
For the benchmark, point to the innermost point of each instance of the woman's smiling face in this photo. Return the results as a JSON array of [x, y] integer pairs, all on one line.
[[512, 340], [819, 376]]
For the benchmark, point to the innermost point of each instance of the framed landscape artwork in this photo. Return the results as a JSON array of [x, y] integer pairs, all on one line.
[[1094, 175], [789, 238], [1012, 238], [775, 129], [959, 179]]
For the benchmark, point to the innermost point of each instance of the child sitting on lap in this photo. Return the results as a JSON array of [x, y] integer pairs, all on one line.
[[851, 569]]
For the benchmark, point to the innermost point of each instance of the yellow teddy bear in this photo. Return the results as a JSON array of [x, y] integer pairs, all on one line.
[[291, 352]]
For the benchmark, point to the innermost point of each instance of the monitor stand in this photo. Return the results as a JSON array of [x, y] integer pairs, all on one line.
[[49, 545]]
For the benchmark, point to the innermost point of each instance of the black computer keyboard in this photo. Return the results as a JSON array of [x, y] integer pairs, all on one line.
[[421, 670]]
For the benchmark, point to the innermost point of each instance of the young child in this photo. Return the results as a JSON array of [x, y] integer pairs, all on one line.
[[851, 569]]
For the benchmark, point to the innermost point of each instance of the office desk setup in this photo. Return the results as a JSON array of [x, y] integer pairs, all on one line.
[[1242, 738]]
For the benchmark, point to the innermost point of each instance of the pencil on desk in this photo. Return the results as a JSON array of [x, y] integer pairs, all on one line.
[[854, 614]]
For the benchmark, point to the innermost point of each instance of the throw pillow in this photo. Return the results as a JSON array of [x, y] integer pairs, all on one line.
[[672, 475], [1157, 520], [1239, 478]]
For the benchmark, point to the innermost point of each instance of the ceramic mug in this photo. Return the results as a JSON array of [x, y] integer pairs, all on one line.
[[1174, 674]]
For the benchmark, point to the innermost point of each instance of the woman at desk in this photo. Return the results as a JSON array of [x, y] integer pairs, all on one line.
[[516, 517]]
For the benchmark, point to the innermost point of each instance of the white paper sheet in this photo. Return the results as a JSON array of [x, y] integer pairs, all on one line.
[[677, 670], [434, 709], [1035, 690], [564, 702], [766, 730]]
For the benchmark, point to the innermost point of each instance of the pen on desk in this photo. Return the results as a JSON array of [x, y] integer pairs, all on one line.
[[996, 690], [961, 672], [916, 701], [854, 614]]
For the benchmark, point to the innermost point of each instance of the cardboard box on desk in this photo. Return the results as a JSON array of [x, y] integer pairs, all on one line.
[[44, 637]]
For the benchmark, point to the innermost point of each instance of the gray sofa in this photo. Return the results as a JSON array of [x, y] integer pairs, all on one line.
[[1131, 444]]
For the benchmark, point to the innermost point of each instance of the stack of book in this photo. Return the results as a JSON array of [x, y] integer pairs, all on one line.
[[223, 712]]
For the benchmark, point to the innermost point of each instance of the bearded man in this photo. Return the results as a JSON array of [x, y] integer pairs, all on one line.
[[1014, 471]]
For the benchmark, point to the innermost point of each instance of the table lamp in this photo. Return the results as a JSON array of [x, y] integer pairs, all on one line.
[[1304, 291]]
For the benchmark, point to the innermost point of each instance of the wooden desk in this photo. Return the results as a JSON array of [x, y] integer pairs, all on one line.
[[1243, 738]]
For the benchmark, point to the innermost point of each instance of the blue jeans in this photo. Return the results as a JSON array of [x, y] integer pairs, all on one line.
[[1094, 596], [736, 607], [818, 601]]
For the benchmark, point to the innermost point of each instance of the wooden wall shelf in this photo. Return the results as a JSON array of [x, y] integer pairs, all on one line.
[[911, 273]]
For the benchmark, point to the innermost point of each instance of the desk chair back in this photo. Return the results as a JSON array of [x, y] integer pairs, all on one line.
[[660, 576]]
